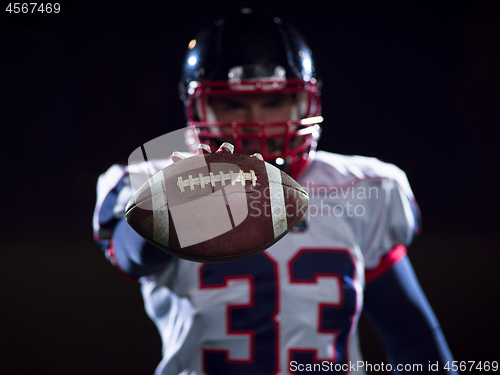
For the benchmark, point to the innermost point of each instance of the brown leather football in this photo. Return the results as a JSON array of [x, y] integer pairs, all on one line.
[[216, 207]]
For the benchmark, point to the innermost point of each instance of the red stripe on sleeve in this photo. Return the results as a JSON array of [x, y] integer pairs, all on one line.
[[112, 257], [386, 263]]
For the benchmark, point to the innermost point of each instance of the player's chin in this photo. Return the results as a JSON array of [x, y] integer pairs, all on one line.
[[251, 151], [275, 147], [270, 151]]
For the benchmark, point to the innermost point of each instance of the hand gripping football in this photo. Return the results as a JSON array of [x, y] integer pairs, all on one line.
[[216, 207]]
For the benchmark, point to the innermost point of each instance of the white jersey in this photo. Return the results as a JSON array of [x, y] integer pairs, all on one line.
[[296, 304]]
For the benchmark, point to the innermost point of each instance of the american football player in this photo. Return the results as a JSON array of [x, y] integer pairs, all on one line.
[[250, 80]]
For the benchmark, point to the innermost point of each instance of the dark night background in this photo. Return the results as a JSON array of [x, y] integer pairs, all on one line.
[[412, 83]]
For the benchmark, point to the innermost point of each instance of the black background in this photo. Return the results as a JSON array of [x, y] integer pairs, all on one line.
[[415, 83]]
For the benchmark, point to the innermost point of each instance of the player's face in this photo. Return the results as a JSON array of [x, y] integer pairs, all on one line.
[[254, 108]]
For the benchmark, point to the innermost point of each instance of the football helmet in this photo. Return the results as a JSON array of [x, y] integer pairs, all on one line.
[[248, 54]]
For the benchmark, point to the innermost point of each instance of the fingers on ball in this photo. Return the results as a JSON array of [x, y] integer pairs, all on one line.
[[177, 156], [226, 148], [203, 149], [257, 156]]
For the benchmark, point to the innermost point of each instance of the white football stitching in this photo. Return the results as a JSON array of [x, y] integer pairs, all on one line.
[[221, 177]]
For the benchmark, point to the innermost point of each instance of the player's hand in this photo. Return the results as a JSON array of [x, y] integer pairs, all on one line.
[[225, 148]]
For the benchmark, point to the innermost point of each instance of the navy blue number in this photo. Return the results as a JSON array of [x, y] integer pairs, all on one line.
[[261, 272], [306, 267]]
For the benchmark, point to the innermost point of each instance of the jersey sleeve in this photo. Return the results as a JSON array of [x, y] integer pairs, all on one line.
[[395, 221], [374, 200], [113, 192]]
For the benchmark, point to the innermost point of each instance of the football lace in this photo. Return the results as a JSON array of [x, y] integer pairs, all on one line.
[[221, 177]]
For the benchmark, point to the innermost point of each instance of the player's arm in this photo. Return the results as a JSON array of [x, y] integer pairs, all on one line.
[[134, 256], [400, 313], [130, 253]]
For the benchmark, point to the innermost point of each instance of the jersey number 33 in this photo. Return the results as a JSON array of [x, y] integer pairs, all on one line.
[[310, 300]]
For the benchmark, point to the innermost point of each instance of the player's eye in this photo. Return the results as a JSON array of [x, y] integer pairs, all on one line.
[[234, 106], [278, 102], [231, 106], [275, 104]]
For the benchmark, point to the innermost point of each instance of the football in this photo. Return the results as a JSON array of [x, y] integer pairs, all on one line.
[[216, 207]]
